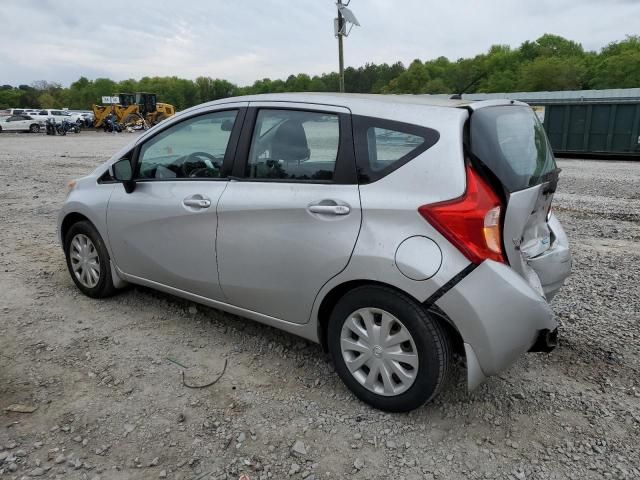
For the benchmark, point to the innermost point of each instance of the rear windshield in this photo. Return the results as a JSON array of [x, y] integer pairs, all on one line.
[[511, 142]]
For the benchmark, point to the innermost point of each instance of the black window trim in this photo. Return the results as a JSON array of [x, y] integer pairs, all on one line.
[[226, 162], [345, 168], [362, 123]]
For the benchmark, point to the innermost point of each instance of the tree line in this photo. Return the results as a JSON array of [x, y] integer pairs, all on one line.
[[549, 63]]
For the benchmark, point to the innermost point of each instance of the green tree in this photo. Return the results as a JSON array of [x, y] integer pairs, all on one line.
[[551, 74], [618, 71]]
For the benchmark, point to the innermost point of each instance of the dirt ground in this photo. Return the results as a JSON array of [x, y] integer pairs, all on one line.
[[105, 376]]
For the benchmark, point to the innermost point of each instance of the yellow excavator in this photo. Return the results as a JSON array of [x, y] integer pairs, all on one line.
[[138, 111]]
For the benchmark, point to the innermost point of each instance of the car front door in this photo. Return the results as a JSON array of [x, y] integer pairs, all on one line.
[[164, 232], [289, 220], [12, 123]]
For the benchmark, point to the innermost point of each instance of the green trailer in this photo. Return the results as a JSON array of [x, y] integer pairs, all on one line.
[[583, 123], [602, 128]]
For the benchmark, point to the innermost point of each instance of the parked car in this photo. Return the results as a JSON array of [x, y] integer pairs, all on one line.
[[392, 230], [57, 115], [87, 119], [19, 123], [16, 111]]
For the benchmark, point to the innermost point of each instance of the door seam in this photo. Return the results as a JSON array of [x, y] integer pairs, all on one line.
[[215, 243]]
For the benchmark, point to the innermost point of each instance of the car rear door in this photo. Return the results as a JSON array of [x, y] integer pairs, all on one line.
[[164, 232], [508, 142], [289, 220]]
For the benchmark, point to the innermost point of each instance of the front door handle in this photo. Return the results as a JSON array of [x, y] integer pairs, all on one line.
[[329, 207], [197, 201]]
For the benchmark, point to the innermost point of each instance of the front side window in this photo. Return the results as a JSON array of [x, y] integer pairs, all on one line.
[[294, 145], [194, 148]]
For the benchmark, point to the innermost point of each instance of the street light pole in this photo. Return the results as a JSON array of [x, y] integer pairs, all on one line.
[[340, 48]]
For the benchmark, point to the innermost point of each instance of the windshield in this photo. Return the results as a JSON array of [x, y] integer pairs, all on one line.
[[512, 143]]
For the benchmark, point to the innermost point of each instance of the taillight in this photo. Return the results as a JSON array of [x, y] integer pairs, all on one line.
[[471, 222]]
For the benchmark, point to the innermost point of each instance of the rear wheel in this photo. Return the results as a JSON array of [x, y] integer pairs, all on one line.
[[387, 349], [159, 118], [88, 260], [35, 128]]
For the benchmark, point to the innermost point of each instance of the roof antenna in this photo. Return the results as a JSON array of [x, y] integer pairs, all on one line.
[[458, 96]]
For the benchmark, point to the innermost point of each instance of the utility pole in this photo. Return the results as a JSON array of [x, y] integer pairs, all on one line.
[[340, 48]]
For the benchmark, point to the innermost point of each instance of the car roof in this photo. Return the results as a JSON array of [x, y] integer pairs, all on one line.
[[346, 99]]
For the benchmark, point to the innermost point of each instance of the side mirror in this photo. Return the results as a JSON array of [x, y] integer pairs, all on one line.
[[123, 172]]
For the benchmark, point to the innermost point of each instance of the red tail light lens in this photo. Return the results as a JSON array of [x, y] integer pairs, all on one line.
[[471, 222]]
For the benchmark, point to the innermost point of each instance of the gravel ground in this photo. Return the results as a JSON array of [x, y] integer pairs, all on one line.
[[105, 376]]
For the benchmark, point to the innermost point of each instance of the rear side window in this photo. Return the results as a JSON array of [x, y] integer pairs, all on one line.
[[388, 146], [294, 145], [511, 142], [383, 146]]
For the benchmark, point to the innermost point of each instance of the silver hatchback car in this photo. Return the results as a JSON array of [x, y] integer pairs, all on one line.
[[395, 231]]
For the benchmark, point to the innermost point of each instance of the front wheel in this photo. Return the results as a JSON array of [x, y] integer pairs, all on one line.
[[387, 349], [88, 260], [34, 128]]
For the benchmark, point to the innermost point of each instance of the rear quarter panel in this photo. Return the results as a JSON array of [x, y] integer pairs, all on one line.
[[390, 206]]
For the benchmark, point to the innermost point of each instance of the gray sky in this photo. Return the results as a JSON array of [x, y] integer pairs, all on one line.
[[244, 40]]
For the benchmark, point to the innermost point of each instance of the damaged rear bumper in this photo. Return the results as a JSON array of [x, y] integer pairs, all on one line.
[[499, 317]]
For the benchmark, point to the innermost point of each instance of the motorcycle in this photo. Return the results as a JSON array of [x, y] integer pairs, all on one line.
[[66, 126], [111, 126]]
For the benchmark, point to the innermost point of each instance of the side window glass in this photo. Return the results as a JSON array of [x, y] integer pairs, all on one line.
[[194, 148], [294, 145], [389, 146]]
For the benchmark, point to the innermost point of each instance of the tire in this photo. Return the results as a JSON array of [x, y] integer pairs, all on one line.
[[428, 342], [35, 128], [159, 118], [103, 287]]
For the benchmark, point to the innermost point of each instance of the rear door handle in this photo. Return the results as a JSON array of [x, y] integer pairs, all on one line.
[[197, 201], [329, 208]]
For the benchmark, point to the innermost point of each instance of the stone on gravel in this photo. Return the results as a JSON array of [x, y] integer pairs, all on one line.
[[299, 448]]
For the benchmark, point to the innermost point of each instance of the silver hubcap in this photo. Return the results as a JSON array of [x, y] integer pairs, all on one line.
[[379, 351], [84, 260]]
